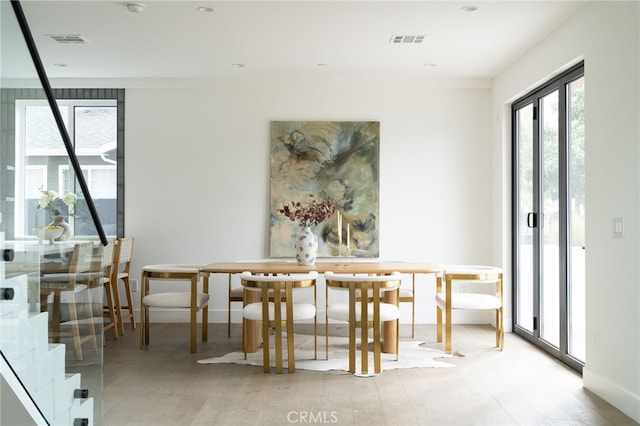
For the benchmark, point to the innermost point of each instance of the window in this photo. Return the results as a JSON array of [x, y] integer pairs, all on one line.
[[94, 122]]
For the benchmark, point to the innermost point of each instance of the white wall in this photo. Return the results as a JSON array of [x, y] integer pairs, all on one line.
[[197, 170], [606, 35]]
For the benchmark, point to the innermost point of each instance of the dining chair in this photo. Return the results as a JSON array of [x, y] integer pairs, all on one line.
[[108, 308], [362, 313], [235, 294], [448, 300], [277, 314], [66, 285], [408, 295], [193, 300], [121, 272]]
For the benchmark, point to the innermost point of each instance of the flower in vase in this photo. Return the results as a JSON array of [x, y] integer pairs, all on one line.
[[52, 202], [311, 212]]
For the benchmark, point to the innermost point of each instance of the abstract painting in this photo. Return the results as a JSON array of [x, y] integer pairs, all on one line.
[[336, 159]]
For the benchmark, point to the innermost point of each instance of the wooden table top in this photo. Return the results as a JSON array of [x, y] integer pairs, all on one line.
[[291, 267]]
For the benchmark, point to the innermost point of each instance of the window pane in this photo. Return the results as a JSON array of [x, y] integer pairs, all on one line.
[[95, 140], [525, 206], [550, 208], [43, 152], [41, 132], [95, 127], [576, 294]]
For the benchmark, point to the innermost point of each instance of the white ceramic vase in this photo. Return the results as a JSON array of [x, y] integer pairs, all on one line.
[[59, 221], [306, 247]]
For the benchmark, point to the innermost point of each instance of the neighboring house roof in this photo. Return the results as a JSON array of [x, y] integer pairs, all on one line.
[[94, 128]]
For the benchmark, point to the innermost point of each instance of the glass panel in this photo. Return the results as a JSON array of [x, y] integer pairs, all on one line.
[[576, 293], [550, 179], [525, 293], [95, 132], [36, 171], [51, 331], [550, 223], [41, 133]]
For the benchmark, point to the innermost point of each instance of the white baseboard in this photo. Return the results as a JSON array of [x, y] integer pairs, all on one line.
[[613, 393]]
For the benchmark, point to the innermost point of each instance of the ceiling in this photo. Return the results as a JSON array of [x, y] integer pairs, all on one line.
[[238, 39]]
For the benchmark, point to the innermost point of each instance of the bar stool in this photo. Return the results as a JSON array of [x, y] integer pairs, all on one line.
[[277, 314], [363, 312], [193, 300], [67, 285], [448, 300], [108, 309], [122, 256]]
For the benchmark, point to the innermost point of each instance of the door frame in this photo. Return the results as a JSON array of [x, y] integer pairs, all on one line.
[[559, 83]]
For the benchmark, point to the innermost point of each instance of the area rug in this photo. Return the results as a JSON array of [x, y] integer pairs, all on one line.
[[413, 354]]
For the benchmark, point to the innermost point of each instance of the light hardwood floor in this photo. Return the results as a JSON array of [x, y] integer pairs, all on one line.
[[164, 385]]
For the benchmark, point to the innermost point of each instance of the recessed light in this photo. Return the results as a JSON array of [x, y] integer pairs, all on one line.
[[430, 65], [60, 65], [238, 65], [135, 7], [322, 64], [469, 8], [204, 9]]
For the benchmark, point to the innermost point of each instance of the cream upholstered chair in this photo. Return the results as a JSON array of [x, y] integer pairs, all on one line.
[[235, 294], [193, 300], [447, 299], [279, 314], [406, 295], [361, 313]]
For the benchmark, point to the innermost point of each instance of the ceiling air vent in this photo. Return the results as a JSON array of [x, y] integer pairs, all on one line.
[[67, 38], [406, 39]]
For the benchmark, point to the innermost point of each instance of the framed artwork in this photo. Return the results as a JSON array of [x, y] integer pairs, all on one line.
[[335, 159]]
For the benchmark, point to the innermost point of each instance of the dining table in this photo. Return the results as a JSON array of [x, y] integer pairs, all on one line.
[[251, 331]]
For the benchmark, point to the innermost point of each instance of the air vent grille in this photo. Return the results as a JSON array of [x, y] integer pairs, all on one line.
[[407, 39], [67, 38]]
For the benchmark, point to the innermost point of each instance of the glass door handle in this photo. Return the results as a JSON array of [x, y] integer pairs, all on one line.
[[532, 220]]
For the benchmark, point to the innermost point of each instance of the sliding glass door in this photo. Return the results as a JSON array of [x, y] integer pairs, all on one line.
[[548, 216], [576, 215]]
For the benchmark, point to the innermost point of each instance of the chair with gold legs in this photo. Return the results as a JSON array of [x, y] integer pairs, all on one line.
[[235, 294], [194, 300], [363, 313], [408, 295], [279, 313], [447, 299]]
